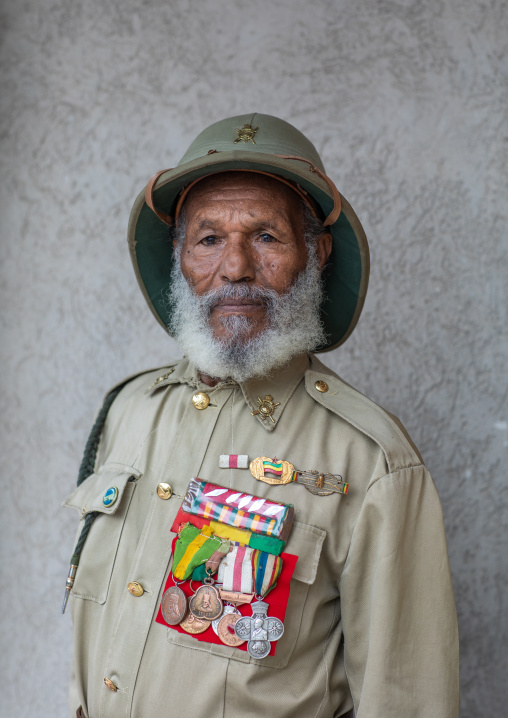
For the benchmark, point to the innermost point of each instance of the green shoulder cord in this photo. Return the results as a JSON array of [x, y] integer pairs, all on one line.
[[87, 468]]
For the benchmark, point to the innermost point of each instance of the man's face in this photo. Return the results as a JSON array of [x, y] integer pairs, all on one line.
[[243, 229]]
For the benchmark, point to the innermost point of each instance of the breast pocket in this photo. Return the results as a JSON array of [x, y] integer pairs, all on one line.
[[305, 542], [106, 493]]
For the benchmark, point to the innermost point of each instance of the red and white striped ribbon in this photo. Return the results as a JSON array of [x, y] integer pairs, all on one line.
[[235, 570], [233, 461]]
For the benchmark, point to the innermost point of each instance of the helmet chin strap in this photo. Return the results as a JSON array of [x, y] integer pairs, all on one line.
[[334, 214], [305, 196], [166, 218]]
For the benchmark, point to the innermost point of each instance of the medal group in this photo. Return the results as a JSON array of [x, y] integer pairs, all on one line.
[[231, 543]]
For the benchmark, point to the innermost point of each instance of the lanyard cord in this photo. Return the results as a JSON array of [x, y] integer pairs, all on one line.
[[87, 468]]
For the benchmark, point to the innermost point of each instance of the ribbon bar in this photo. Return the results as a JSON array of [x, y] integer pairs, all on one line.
[[238, 509], [233, 461]]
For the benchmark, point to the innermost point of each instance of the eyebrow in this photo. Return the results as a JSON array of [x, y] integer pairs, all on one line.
[[206, 223]]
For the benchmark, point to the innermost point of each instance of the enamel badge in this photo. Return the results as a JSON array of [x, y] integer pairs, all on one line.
[[272, 471], [278, 472]]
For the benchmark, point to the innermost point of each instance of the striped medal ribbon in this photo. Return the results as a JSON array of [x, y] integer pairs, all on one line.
[[266, 570], [193, 547], [235, 570]]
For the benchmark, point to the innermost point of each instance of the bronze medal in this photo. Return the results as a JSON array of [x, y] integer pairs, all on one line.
[[191, 624], [227, 609], [174, 605], [226, 630], [206, 603]]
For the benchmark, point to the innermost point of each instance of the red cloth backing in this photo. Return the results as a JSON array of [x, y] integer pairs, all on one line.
[[183, 517], [277, 599]]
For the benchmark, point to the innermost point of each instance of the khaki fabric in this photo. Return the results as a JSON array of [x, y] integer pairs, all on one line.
[[371, 621]]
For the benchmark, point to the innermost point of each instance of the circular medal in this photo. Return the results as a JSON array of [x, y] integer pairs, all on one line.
[[226, 630], [206, 603], [191, 624], [227, 609], [174, 605], [258, 649]]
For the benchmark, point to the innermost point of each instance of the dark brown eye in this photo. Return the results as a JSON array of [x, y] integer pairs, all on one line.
[[209, 241]]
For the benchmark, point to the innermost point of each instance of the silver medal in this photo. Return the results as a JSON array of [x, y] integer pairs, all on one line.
[[258, 649], [259, 630]]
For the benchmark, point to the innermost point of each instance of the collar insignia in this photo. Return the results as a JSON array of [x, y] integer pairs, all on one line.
[[266, 407], [161, 378]]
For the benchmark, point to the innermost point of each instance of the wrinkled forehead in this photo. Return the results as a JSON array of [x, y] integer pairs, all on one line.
[[246, 185]]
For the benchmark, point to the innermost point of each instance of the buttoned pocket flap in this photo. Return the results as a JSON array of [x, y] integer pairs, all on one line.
[[103, 491], [305, 542], [115, 483]]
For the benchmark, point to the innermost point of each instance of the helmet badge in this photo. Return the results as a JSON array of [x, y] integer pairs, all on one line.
[[246, 133]]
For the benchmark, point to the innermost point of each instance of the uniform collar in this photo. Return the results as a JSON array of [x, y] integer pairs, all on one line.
[[266, 397], [273, 392]]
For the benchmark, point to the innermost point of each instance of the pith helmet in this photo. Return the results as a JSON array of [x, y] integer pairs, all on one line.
[[259, 143]]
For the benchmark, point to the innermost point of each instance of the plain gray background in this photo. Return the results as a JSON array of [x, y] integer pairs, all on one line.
[[406, 101]]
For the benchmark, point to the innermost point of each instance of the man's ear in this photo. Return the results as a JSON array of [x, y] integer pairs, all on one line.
[[323, 248]]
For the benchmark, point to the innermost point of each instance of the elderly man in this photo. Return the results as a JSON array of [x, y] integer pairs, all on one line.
[[257, 538]]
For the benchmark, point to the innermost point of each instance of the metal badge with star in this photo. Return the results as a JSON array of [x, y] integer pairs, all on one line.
[[266, 407], [246, 133]]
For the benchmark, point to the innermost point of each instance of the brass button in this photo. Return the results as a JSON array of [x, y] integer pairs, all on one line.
[[201, 400], [135, 588], [110, 685], [164, 491], [321, 386]]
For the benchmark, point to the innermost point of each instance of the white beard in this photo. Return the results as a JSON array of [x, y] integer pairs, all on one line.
[[294, 325]]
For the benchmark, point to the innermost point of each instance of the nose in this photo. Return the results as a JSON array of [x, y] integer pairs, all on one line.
[[237, 261]]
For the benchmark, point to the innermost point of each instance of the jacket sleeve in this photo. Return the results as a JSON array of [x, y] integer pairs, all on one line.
[[398, 610]]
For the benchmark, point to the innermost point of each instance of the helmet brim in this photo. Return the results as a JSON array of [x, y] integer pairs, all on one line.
[[347, 272]]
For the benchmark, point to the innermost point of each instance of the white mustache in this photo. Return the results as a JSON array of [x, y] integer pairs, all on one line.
[[239, 356], [238, 291]]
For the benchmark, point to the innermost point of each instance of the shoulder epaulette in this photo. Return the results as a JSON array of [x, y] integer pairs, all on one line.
[[330, 391]]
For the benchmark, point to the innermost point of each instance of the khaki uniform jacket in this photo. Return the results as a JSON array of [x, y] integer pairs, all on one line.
[[370, 622]]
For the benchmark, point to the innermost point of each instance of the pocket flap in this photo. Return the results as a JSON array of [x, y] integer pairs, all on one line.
[[90, 495], [306, 542]]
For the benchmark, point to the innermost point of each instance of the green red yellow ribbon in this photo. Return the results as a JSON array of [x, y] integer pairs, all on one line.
[[194, 546]]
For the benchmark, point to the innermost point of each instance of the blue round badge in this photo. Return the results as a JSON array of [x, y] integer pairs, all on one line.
[[110, 496]]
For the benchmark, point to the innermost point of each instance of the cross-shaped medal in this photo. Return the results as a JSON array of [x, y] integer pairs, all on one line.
[[259, 630]]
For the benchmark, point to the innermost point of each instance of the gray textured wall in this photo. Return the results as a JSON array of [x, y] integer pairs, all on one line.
[[407, 101]]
